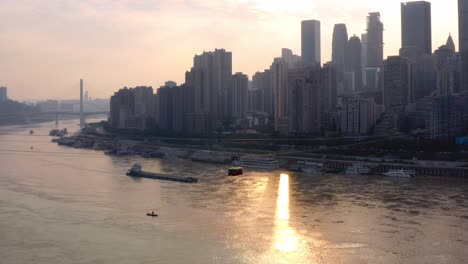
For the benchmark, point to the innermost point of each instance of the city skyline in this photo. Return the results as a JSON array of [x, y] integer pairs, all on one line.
[[123, 44]]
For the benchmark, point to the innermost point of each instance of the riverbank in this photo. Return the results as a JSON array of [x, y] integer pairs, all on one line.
[[94, 137]]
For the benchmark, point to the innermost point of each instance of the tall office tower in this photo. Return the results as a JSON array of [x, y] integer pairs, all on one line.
[[310, 38], [463, 38], [446, 68], [398, 83], [279, 72], [425, 74], [416, 28], [339, 54], [211, 79], [239, 95], [304, 101], [3, 94], [374, 40], [354, 61], [263, 81]]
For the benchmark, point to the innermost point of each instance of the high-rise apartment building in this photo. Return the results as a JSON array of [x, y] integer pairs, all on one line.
[[210, 77], [279, 72], [239, 94], [3, 94], [398, 83], [358, 116], [304, 100], [447, 117], [328, 84], [310, 38], [262, 81], [416, 28], [132, 108]]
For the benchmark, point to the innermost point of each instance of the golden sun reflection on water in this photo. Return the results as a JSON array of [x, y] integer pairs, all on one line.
[[286, 239]]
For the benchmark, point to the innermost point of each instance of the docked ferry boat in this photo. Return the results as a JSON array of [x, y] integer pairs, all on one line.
[[358, 169], [259, 162], [400, 173], [309, 167]]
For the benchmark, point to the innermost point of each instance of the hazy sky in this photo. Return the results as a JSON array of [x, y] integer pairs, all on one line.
[[47, 45]]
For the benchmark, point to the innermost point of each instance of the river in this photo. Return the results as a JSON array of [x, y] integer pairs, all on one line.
[[64, 205]]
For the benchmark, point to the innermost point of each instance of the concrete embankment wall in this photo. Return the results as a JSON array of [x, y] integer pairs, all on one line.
[[379, 168]]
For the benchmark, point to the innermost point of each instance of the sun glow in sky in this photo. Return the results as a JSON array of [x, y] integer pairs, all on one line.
[[47, 46]]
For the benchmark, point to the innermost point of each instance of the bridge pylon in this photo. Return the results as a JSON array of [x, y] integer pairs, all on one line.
[[82, 118]]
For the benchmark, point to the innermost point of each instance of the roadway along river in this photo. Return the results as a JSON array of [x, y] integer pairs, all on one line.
[[63, 205]]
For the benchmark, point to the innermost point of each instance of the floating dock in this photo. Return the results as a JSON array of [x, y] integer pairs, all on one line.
[[162, 177]]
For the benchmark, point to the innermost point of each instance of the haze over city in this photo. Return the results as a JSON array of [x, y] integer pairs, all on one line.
[[46, 46]]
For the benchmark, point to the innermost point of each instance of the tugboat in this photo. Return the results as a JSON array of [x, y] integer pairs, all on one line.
[[235, 170], [135, 170]]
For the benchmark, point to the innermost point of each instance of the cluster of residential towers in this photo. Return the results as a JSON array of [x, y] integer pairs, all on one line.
[[357, 93]]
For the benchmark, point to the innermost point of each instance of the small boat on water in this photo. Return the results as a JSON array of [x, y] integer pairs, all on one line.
[[400, 173], [152, 214]]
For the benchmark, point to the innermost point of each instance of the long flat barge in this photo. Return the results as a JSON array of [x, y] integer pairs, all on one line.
[[136, 172]]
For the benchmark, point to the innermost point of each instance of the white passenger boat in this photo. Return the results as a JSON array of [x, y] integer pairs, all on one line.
[[310, 167], [400, 173], [259, 162], [358, 169]]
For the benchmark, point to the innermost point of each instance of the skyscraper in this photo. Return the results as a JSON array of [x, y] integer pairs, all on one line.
[[445, 65], [374, 40], [310, 38], [463, 37], [354, 61], [339, 52], [416, 26]]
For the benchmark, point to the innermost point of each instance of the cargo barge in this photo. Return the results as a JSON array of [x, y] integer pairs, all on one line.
[[137, 172]]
